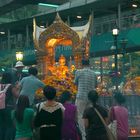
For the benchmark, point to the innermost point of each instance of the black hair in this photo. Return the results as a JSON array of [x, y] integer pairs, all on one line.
[[23, 102], [49, 92], [93, 96], [33, 71], [119, 98], [65, 96], [6, 78], [85, 62]]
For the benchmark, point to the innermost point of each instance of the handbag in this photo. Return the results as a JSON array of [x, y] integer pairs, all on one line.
[[108, 131], [36, 131], [3, 95], [113, 125]]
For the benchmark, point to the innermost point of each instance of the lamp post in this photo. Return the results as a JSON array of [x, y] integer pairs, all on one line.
[[19, 56], [115, 33], [101, 68]]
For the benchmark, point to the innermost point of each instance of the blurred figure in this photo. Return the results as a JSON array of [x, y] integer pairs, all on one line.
[[49, 116], [94, 127], [7, 129], [86, 81], [70, 117], [19, 74], [120, 114], [23, 118], [30, 84]]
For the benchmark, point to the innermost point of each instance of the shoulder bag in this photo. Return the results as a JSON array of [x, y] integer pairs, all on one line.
[[3, 95], [113, 125], [36, 131], [108, 131]]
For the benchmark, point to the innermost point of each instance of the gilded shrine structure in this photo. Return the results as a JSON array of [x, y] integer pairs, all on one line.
[[57, 72]]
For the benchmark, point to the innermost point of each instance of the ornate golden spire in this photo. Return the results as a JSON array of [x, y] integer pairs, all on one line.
[[59, 30], [57, 18]]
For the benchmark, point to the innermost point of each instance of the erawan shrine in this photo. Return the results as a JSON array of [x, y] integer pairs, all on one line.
[[69, 69], [58, 71]]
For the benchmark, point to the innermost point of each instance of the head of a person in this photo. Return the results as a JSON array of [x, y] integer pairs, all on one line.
[[19, 66], [33, 71], [23, 102], [93, 96], [85, 62], [65, 96], [49, 92], [119, 98], [6, 78]]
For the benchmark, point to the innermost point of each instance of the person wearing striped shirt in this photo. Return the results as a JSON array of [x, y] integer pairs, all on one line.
[[86, 80]]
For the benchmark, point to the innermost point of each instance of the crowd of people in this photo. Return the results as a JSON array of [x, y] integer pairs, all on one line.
[[57, 120]]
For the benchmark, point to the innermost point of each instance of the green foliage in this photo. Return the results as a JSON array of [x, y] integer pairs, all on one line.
[[6, 61]]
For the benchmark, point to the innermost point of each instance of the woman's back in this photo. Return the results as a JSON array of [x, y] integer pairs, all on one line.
[[49, 119], [23, 129], [121, 115], [69, 122], [70, 112], [95, 129]]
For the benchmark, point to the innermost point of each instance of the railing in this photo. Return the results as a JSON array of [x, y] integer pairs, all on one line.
[[106, 24]]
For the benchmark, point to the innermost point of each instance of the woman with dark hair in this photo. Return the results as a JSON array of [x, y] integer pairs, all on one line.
[[120, 114], [49, 116], [7, 130], [94, 127], [70, 119], [23, 118], [6, 78]]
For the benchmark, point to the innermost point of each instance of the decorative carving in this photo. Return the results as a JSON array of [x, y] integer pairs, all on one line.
[[59, 32]]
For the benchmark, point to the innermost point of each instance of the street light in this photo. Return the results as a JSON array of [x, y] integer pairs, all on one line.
[[19, 56], [115, 33]]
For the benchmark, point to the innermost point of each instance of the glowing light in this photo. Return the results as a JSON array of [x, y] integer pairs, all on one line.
[[2, 33], [19, 56], [113, 65], [134, 5], [48, 5], [79, 17], [51, 42], [3, 69], [133, 131], [115, 32], [42, 26]]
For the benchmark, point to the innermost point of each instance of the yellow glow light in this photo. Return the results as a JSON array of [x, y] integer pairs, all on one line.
[[51, 42], [19, 56], [113, 65], [133, 131]]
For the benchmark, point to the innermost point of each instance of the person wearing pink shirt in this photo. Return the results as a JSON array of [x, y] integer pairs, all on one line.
[[120, 114]]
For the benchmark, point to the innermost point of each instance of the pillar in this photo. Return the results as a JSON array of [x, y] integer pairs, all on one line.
[[8, 38], [27, 36]]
